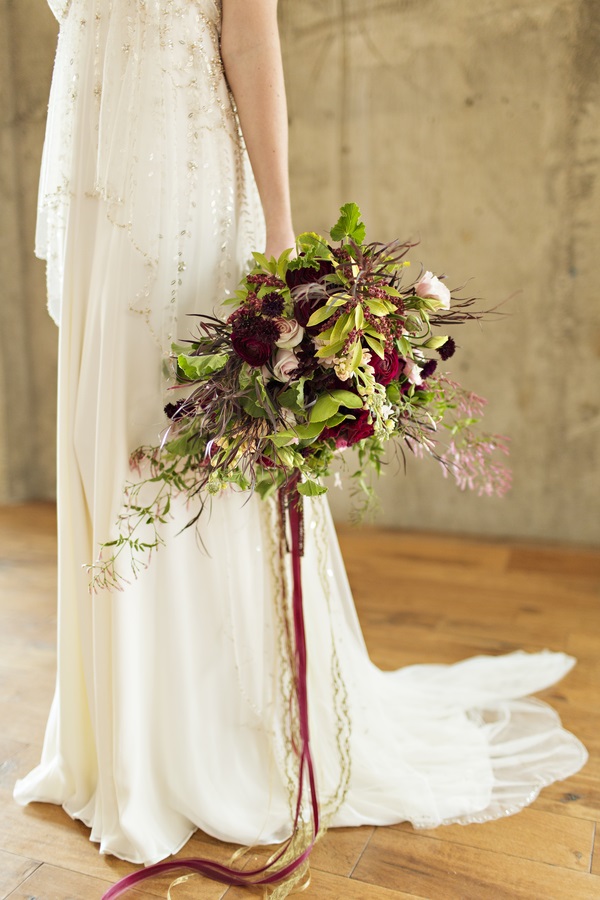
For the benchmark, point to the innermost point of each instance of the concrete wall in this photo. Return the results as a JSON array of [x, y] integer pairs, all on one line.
[[27, 334], [473, 125]]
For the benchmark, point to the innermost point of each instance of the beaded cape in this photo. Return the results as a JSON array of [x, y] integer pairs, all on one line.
[[142, 119]]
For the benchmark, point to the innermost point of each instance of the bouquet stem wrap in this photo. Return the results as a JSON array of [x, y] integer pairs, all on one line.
[[288, 862]]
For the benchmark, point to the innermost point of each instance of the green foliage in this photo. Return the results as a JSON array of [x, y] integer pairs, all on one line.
[[325, 407], [194, 367], [324, 313], [310, 488], [346, 398], [349, 225], [435, 342], [253, 408], [311, 250]]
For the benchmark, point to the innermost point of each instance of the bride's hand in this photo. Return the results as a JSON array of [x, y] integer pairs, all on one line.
[[280, 241]]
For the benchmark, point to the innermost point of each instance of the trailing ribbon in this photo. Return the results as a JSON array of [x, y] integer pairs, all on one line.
[[277, 869]]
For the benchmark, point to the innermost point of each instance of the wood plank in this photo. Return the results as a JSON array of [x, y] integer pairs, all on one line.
[[54, 883], [577, 710], [32, 690], [324, 886], [337, 852], [433, 868], [531, 834], [44, 831], [14, 870], [457, 550], [423, 547], [393, 647], [596, 854], [340, 850], [574, 562], [21, 723], [20, 523], [578, 797]]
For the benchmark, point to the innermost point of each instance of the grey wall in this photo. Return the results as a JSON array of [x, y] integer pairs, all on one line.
[[27, 334], [472, 125]]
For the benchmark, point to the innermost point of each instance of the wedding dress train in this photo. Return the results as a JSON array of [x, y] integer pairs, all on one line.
[[168, 714]]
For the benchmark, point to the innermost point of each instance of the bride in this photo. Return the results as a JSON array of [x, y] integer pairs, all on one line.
[[166, 145]]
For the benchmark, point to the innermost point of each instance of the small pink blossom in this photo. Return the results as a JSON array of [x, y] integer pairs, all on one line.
[[412, 371], [290, 332], [285, 364], [431, 287]]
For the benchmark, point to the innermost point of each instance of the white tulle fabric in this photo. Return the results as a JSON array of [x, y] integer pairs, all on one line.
[[169, 713], [140, 118]]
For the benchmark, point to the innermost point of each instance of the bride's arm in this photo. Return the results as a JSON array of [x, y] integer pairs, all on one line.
[[251, 55]]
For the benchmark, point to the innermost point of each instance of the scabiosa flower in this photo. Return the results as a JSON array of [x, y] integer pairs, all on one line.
[[429, 368], [273, 304], [175, 410], [307, 361], [448, 349]]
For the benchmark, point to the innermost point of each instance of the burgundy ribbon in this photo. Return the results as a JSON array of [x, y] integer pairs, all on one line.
[[290, 502]]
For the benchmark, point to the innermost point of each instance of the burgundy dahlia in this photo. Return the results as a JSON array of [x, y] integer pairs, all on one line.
[[303, 310], [386, 369], [253, 338], [308, 274], [254, 350]]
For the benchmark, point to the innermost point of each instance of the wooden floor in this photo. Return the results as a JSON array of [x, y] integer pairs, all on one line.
[[420, 599]]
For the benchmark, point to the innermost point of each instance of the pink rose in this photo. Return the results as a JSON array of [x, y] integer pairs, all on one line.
[[290, 332], [285, 364], [431, 287]]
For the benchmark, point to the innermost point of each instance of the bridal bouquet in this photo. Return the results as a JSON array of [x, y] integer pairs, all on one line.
[[335, 348]]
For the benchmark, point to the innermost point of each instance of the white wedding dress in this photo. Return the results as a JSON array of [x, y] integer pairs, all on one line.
[[168, 714]]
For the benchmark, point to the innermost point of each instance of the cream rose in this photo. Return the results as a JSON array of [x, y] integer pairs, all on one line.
[[285, 364], [290, 333], [431, 287]]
